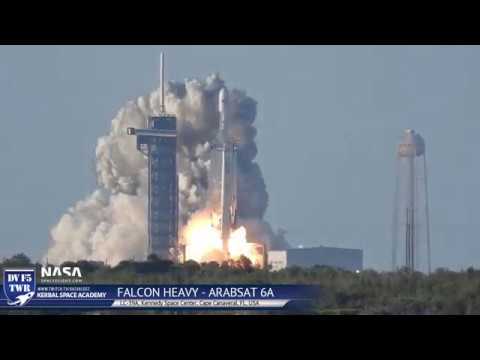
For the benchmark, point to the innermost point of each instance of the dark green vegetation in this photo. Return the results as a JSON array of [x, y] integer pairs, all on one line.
[[344, 292]]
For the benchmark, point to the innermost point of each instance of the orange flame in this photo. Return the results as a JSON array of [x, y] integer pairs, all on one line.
[[203, 242]]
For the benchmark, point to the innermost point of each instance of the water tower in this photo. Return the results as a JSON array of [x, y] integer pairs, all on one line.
[[411, 227]]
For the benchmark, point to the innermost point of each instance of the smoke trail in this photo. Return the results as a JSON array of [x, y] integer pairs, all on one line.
[[110, 224]]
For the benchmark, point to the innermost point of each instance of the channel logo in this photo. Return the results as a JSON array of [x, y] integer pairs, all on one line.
[[19, 286]]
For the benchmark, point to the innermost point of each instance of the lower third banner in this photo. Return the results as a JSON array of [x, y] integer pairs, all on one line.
[[22, 292]]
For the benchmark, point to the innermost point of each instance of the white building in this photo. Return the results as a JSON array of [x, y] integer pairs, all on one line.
[[346, 259]]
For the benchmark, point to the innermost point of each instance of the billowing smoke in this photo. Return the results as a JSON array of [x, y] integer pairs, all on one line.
[[110, 224]]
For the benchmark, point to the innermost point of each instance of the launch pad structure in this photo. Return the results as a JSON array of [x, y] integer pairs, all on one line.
[[158, 142]]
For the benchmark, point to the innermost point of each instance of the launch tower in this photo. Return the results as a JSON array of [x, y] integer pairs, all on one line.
[[158, 142]]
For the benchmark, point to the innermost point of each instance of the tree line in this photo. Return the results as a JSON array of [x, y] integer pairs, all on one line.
[[343, 292]]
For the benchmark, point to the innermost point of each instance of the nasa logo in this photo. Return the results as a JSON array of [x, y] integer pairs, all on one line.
[[60, 271], [19, 286]]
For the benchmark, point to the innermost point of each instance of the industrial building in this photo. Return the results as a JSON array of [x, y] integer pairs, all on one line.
[[158, 142], [346, 259]]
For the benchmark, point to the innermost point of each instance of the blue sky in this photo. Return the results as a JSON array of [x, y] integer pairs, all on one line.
[[329, 118]]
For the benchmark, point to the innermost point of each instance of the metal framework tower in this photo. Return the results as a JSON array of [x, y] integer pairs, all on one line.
[[411, 214], [158, 142]]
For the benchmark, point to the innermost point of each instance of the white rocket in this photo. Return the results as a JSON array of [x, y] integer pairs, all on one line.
[[228, 183]]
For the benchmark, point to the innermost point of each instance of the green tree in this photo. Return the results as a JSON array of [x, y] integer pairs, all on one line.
[[18, 260]]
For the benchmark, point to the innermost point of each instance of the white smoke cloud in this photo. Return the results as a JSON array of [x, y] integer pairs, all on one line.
[[110, 224]]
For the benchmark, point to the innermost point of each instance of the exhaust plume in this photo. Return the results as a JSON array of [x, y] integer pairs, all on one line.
[[110, 224]]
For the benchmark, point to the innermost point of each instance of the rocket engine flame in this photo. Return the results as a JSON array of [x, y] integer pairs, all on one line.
[[238, 245], [203, 242]]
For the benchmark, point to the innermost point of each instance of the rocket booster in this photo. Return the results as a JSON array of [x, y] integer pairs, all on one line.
[[228, 188], [222, 109]]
